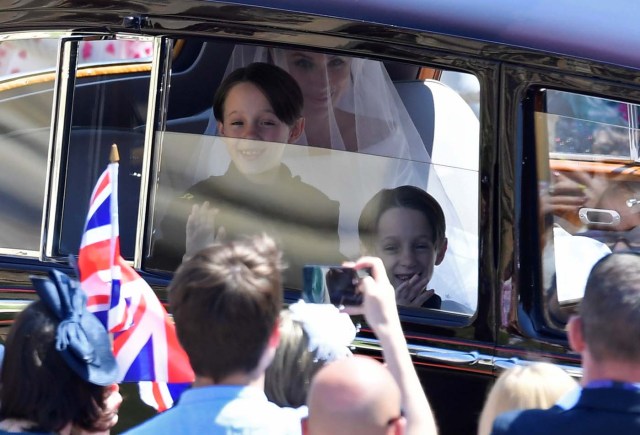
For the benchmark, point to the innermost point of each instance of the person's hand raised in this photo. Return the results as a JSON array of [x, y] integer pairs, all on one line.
[[201, 229]]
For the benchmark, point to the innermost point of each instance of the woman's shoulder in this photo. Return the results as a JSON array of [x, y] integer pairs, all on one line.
[[365, 133]]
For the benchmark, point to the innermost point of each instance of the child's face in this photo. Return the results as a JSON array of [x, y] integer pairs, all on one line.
[[404, 242], [248, 115]]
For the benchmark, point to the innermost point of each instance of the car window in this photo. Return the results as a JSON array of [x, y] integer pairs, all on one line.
[[109, 107], [25, 125], [373, 133], [588, 186], [109, 102]]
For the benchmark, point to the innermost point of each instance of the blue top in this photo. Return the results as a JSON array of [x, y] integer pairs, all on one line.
[[223, 409]]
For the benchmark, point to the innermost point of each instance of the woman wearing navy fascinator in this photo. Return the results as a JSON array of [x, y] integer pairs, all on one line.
[[58, 374]]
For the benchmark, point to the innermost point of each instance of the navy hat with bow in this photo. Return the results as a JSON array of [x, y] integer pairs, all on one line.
[[81, 339]]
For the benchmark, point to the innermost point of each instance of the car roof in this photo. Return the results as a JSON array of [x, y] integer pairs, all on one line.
[[604, 31], [601, 31]]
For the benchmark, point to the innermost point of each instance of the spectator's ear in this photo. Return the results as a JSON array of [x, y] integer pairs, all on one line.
[[441, 251], [296, 130], [274, 338], [574, 332], [220, 128]]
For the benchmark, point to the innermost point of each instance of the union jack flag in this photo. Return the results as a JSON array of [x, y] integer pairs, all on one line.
[[144, 341], [99, 261]]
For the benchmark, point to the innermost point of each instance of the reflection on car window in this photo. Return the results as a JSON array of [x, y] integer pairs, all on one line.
[[25, 124], [317, 222], [27, 56], [106, 110], [592, 126], [590, 190]]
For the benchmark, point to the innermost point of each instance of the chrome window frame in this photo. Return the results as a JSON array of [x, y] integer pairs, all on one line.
[[16, 36], [158, 96], [63, 94], [62, 101]]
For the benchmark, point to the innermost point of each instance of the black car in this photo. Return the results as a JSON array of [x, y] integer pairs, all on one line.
[[502, 112]]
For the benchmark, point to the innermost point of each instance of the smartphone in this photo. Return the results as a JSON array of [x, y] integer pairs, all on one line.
[[332, 284]]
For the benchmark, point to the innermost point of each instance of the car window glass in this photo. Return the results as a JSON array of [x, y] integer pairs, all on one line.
[[320, 186], [109, 107], [588, 186], [27, 75], [25, 124]]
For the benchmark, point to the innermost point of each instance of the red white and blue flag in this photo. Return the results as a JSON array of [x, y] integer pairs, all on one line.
[[100, 264], [144, 341]]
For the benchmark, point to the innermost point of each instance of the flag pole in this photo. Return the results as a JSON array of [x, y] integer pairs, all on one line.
[[114, 158]]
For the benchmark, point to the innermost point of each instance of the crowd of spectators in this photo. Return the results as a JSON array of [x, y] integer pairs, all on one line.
[[226, 300]]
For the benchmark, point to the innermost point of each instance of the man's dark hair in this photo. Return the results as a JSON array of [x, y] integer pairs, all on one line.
[[38, 385], [405, 197], [610, 309], [225, 301], [281, 90]]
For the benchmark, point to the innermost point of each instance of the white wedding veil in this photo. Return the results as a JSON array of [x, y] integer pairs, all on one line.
[[366, 97], [362, 112]]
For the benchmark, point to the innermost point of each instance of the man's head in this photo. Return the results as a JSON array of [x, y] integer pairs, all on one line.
[[225, 301], [354, 396], [608, 325]]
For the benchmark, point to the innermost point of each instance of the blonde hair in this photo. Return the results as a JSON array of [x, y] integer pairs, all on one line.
[[536, 386], [288, 377]]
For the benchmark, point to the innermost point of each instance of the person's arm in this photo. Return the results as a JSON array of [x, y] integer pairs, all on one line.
[[380, 311]]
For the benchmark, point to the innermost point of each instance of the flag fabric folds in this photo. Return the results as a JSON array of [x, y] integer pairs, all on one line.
[[144, 342], [161, 395]]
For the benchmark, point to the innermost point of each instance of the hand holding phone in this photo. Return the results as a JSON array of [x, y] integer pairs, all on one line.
[[342, 284], [379, 298], [335, 284]]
